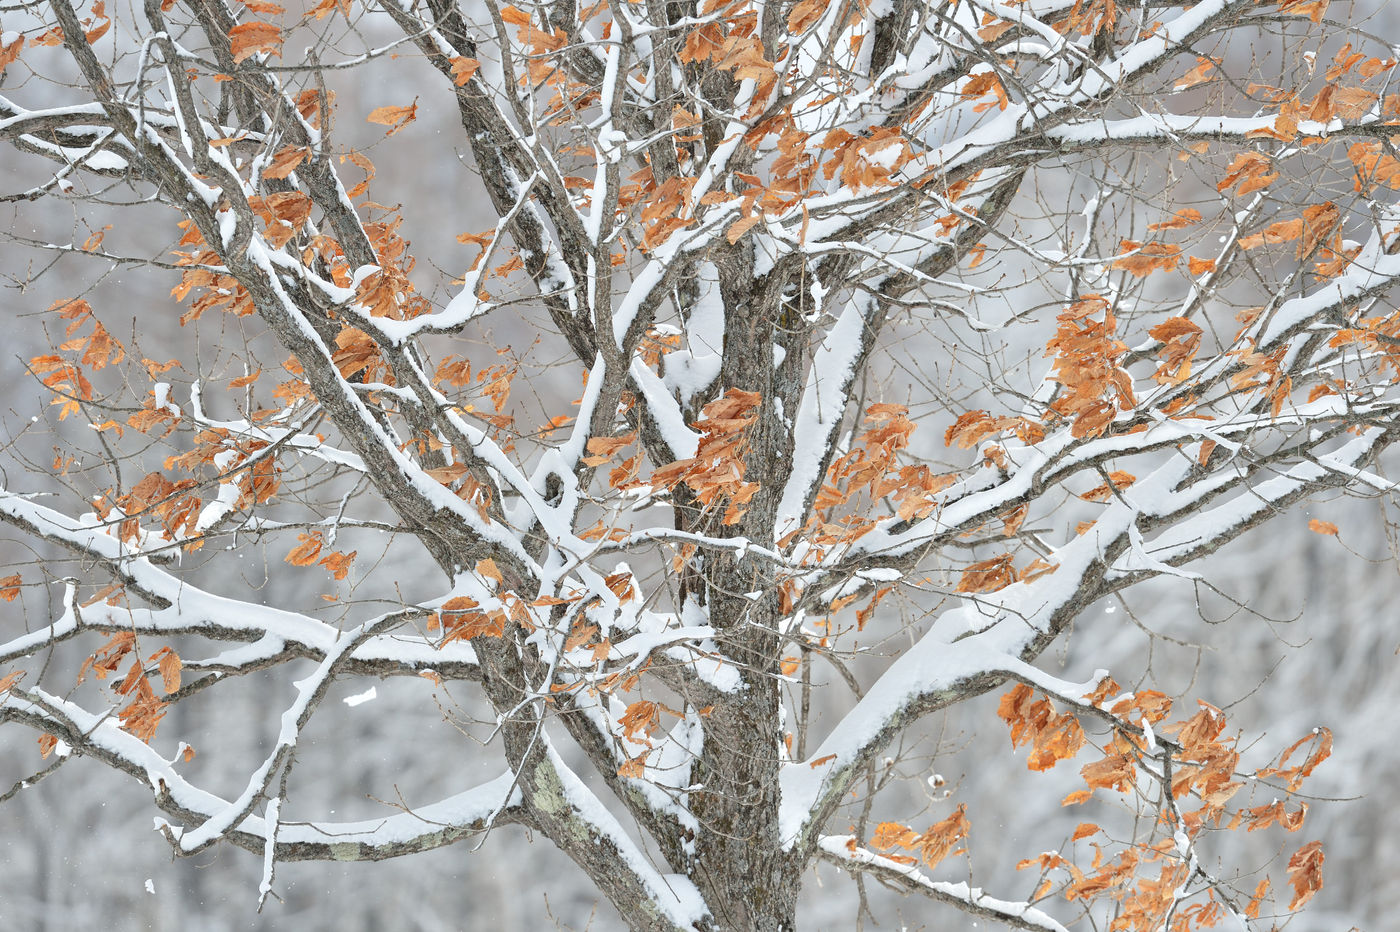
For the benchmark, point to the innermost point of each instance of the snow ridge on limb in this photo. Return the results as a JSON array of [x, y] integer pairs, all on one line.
[[846, 852], [421, 829]]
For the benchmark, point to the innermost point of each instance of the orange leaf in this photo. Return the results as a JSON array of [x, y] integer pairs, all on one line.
[[640, 719], [460, 622], [635, 767], [463, 68], [1196, 75], [1305, 873], [1322, 527], [938, 842], [988, 575], [547, 600], [1147, 258], [1312, 9], [739, 227], [366, 166], [306, 552], [806, 13], [1084, 830], [285, 161], [1280, 232], [1200, 266], [327, 7], [1250, 170], [243, 381], [9, 587], [97, 32], [892, 834], [1116, 480], [248, 39], [170, 667], [1183, 218], [339, 563], [394, 117], [10, 53], [515, 16]]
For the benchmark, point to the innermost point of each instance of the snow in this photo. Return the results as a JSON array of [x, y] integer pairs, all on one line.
[[1374, 270], [223, 504], [442, 820], [1026, 916], [274, 807], [674, 894], [822, 408], [360, 698], [692, 369], [985, 635]]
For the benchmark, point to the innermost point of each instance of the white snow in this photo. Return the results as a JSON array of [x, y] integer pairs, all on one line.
[[360, 698]]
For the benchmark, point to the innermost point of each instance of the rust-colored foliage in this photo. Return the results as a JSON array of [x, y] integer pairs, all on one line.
[[1087, 364], [716, 473], [1146, 876]]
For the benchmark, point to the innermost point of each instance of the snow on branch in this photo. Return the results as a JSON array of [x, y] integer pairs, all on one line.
[[845, 852]]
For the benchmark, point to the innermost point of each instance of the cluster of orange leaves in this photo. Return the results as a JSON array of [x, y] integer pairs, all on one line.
[[1264, 372], [873, 467], [216, 290], [1376, 335], [715, 474], [174, 503], [1144, 878], [1181, 340], [142, 714], [97, 350], [462, 618], [934, 845], [309, 548], [1087, 356]]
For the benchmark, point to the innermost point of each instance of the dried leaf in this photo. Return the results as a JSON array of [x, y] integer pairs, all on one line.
[[170, 665], [339, 563], [893, 835], [10, 53], [396, 118], [306, 552], [285, 161], [938, 842], [1183, 218], [463, 68], [738, 228], [1305, 873], [248, 39], [635, 767], [988, 575]]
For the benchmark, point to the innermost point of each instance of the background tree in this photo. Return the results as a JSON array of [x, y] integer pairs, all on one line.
[[1129, 265]]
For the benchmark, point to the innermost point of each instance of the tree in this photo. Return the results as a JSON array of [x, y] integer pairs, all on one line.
[[1112, 270]]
